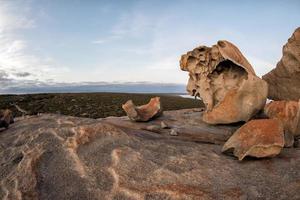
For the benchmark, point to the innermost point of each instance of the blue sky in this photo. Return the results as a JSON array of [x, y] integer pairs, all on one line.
[[92, 41]]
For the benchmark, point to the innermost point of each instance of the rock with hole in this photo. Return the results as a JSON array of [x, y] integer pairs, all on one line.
[[225, 81]]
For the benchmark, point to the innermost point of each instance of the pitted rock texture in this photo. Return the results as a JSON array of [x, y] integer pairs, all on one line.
[[288, 113], [284, 80], [145, 112], [258, 138], [225, 81], [59, 157]]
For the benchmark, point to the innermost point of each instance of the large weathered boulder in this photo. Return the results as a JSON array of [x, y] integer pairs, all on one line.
[[225, 81], [60, 157], [288, 113], [257, 138], [6, 118], [284, 80], [145, 112]]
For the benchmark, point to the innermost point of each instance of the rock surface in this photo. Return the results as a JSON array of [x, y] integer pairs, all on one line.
[[288, 113], [6, 118], [284, 80], [145, 112], [225, 81], [258, 138], [60, 157]]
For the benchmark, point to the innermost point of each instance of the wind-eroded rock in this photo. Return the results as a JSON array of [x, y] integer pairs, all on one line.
[[6, 118], [288, 113], [145, 112], [60, 157], [284, 80], [257, 138], [225, 81]]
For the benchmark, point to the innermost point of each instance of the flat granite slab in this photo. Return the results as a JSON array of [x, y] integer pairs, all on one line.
[[187, 123], [61, 157]]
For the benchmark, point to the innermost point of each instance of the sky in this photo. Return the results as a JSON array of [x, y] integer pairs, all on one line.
[[78, 41]]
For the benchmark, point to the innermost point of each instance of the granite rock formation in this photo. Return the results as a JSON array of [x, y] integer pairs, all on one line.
[[6, 118], [60, 157], [257, 138], [284, 80], [145, 112], [225, 81], [288, 113]]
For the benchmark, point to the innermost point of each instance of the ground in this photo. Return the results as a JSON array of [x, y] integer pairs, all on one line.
[[51, 156], [91, 105]]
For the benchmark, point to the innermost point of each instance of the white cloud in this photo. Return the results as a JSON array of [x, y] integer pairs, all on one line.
[[167, 42], [16, 46], [16, 58], [98, 41], [12, 17], [133, 23], [147, 46], [107, 39]]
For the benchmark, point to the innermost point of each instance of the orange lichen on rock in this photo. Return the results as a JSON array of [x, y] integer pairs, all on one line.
[[145, 112], [226, 82], [288, 113], [257, 138]]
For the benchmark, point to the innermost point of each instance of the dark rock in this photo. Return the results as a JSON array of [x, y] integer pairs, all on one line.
[[6, 118]]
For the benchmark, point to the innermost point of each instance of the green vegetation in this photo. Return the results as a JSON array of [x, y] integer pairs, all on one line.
[[92, 105]]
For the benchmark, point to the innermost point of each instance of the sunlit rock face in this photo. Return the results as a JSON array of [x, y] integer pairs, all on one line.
[[288, 113], [226, 82], [284, 80], [145, 112], [257, 138], [51, 156]]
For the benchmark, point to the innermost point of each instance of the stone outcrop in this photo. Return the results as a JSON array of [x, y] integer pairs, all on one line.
[[6, 118], [284, 80], [60, 157], [257, 138], [225, 81], [145, 112], [288, 113]]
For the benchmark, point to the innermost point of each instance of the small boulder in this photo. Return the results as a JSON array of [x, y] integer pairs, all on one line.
[[145, 112], [173, 132], [6, 118], [153, 128], [288, 113], [164, 125], [257, 138]]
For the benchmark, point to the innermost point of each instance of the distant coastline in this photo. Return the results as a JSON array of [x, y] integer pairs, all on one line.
[[128, 87]]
